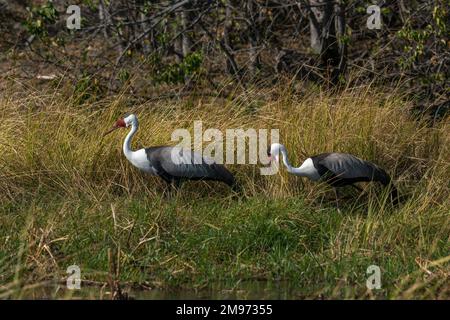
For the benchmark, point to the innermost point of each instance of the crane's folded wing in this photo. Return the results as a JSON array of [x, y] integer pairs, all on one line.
[[185, 163], [347, 166]]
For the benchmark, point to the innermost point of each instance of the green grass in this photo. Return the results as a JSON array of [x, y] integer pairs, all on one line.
[[68, 197], [196, 243]]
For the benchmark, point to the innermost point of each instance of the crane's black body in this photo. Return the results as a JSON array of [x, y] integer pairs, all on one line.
[[190, 166], [342, 169], [172, 164]]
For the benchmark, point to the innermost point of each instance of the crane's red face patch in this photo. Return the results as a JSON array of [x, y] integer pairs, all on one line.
[[120, 123]]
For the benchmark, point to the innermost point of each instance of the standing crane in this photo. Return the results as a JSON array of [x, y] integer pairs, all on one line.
[[172, 164], [337, 169]]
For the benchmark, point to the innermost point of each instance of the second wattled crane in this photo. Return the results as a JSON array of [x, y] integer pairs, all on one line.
[[337, 169]]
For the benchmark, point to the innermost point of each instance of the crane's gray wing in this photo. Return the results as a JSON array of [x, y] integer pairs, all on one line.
[[347, 166], [185, 163]]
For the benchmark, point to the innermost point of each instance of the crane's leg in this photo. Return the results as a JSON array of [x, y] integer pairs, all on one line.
[[167, 193], [357, 188], [173, 186], [337, 199], [176, 185], [360, 190]]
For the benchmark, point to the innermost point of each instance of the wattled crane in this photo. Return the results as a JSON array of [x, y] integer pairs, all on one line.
[[172, 164], [337, 169]]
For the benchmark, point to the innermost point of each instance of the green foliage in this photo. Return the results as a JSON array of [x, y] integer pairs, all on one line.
[[91, 4], [178, 72], [124, 75], [425, 49], [417, 41], [86, 89], [148, 6], [441, 17], [40, 17]]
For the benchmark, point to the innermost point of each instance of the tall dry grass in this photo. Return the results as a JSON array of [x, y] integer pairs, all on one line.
[[59, 173], [50, 144]]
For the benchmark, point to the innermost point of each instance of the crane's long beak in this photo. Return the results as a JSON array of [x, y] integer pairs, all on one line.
[[111, 130]]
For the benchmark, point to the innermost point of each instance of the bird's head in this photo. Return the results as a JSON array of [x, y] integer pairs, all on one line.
[[273, 152], [126, 121]]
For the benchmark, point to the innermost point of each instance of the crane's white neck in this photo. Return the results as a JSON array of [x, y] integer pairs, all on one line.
[[127, 142], [307, 169], [284, 158]]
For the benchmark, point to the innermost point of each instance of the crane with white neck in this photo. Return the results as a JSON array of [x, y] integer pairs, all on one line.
[[337, 169], [172, 164]]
